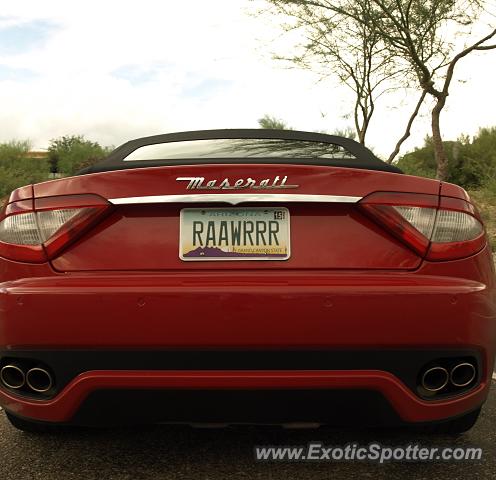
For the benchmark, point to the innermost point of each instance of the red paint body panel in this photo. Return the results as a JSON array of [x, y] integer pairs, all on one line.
[[22, 193], [349, 284], [241, 309], [451, 190], [147, 238]]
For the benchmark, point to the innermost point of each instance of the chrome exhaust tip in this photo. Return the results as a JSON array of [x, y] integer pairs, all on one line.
[[12, 376], [435, 379], [39, 380], [462, 374]]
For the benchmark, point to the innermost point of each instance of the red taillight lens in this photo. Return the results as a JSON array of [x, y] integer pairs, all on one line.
[[37, 232], [459, 231], [436, 228]]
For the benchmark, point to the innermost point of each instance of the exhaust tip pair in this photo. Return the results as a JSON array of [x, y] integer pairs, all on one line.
[[37, 379], [436, 378]]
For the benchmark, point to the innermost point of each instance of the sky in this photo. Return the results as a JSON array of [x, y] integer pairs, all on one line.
[[117, 70]]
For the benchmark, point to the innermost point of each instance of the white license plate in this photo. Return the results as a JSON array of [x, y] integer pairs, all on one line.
[[256, 233]]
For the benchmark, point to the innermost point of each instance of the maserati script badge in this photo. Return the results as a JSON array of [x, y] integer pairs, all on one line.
[[199, 183]]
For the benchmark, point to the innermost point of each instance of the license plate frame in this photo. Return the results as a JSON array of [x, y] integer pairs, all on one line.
[[277, 216]]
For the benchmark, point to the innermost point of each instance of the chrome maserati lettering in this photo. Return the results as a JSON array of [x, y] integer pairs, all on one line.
[[198, 183]]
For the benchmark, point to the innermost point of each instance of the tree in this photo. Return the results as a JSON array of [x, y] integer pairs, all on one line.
[[347, 48], [70, 153], [430, 37], [53, 161], [270, 122], [417, 31]]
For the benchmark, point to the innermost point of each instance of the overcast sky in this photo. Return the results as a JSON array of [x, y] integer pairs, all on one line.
[[117, 70]]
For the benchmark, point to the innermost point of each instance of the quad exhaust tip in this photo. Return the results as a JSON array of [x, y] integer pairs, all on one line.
[[462, 374], [12, 376], [435, 379], [39, 380]]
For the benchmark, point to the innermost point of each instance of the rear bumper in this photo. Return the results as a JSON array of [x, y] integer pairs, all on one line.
[[254, 311], [246, 310], [409, 408]]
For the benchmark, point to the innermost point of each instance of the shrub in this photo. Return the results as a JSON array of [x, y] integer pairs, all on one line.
[[471, 163], [68, 154]]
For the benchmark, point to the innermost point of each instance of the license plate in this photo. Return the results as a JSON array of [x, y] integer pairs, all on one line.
[[256, 233]]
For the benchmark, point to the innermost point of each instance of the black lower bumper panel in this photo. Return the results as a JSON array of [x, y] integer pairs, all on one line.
[[334, 407]]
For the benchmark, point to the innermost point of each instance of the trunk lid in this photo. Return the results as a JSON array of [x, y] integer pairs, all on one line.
[[327, 229]]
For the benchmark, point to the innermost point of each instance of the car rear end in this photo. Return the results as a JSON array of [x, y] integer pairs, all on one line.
[[242, 290]]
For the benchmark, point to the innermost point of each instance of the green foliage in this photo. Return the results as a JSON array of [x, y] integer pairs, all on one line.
[[16, 169], [70, 153], [270, 122], [471, 163], [66, 155], [420, 162], [13, 151], [483, 150]]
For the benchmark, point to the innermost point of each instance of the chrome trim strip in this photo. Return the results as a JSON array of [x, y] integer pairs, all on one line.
[[235, 198]]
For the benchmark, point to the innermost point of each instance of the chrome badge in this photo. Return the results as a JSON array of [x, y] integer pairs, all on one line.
[[198, 183]]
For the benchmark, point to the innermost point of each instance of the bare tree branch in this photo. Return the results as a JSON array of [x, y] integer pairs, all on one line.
[[408, 129], [459, 56], [346, 46]]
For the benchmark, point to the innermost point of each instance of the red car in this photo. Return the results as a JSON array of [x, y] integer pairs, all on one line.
[[256, 276]]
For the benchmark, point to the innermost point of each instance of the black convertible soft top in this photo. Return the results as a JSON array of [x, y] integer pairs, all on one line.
[[357, 156]]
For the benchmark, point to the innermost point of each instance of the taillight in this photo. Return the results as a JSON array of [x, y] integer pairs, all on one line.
[[437, 228], [37, 230]]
